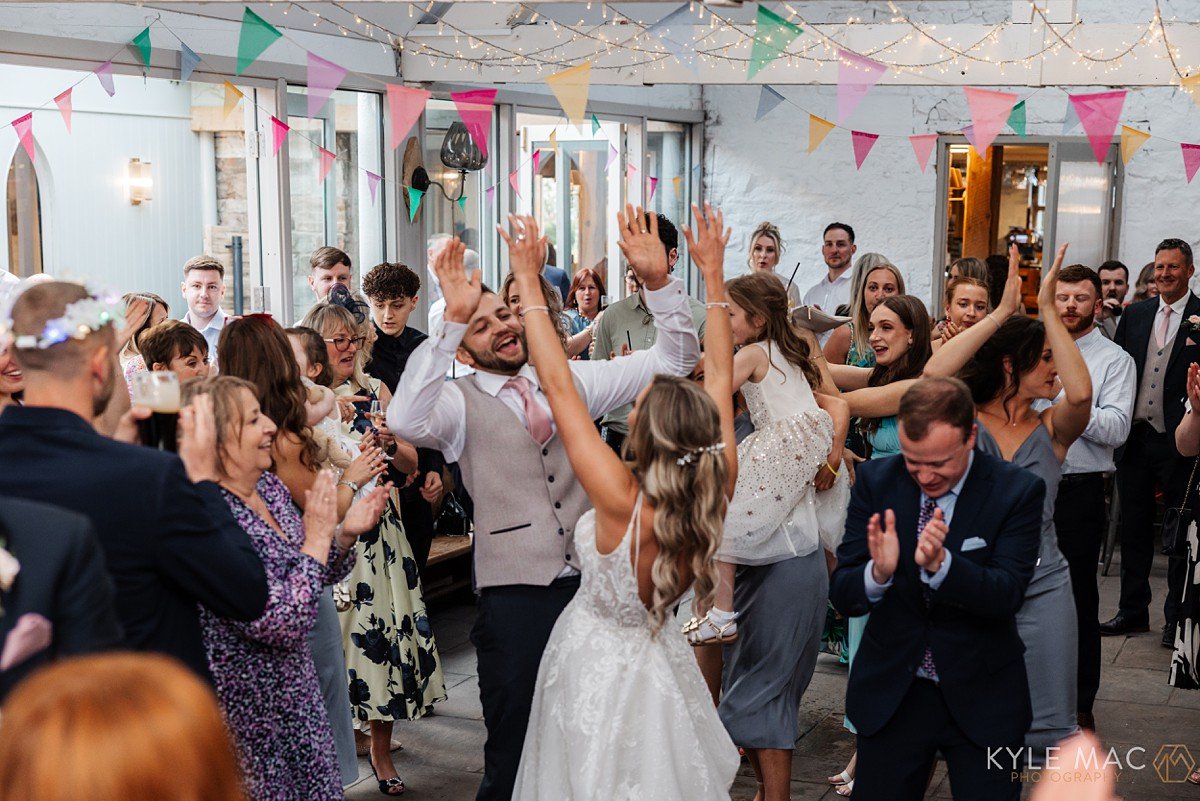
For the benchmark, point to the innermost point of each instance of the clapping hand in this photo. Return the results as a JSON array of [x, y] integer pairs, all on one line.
[[320, 516], [1193, 387], [707, 245], [363, 514], [884, 546], [461, 293], [198, 439], [526, 247], [929, 544], [642, 248], [949, 330], [1050, 282]]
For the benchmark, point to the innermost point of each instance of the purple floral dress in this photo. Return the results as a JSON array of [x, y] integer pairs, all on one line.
[[263, 670]]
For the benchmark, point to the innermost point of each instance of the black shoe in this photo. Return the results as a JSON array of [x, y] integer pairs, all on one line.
[[1124, 624], [1086, 720], [1168, 638]]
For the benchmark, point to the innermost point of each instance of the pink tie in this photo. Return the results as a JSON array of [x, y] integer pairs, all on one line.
[[537, 421], [1161, 335]]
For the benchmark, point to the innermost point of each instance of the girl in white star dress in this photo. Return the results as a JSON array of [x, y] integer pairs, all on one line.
[[792, 494], [620, 712]]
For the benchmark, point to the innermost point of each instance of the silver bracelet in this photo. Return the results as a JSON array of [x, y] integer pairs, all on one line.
[[716, 305], [526, 311]]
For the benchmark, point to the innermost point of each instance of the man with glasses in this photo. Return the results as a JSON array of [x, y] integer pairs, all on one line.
[[203, 288], [628, 326]]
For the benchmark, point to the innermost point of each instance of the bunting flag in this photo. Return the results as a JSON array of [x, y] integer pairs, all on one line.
[[255, 37], [1191, 85], [63, 102], [922, 145], [677, 182], [772, 35], [857, 75], [188, 60], [768, 99], [142, 43], [595, 125], [1191, 159], [818, 129], [104, 74], [554, 139], [491, 196], [863, 142], [1070, 119], [514, 180], [327, 159], [1100, 113], [405, 106], [324, 77], [462, 203], [969, 132], [613, 153], [372, 184], [570, 88], [475, 109], [414, 202], [677, 33], [24, 128], [1016, 120], [537, 161], [279, 132], [629, 171], [653, 186], [1131, 141], [233, 96], [989, 111]]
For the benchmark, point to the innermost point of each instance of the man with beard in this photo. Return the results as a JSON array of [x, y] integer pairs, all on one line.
[[1114, 286], [1079, 517], [833, 290], [496, 424], [168, 538]]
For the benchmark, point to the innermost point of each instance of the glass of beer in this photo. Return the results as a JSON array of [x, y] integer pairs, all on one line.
[[159, 391]]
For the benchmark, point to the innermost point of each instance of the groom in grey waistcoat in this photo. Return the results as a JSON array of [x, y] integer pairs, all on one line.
[[496, 424]]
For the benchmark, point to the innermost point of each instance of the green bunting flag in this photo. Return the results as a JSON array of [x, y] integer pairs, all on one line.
[[595, 125], [142, 43], [256, 36], [462, 203], [1016, 120], [772, 35], [414, 202]]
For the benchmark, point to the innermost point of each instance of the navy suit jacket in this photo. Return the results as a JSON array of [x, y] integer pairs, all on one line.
[[558, 279], [62, 578], [970, 623], [168, 544], [1133, 334]]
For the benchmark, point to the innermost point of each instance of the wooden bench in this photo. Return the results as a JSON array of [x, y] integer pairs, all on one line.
[[448, 568]]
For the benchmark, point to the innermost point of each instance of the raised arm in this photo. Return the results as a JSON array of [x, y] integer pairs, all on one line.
[[707, 249], [1069, 417]]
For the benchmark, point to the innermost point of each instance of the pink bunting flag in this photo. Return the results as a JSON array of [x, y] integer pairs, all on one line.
[[327, 160], [989, 113], [475, 108], [863, 142], [629, 171], [372, 184], [515, 182], [922, 145], [105, 75], [856, 76], [491, 195], [1191, 159], [653, 186], [1099, 112], [324, 77], [405, 105], [537, 161], [612, 156], [279, 132], [969, 132], [24, 129], [63, 102]]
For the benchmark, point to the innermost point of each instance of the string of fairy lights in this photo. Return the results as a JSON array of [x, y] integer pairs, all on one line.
[[717, 39]]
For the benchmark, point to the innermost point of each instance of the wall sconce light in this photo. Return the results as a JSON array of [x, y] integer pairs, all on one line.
[[459, 153], [141, 182]]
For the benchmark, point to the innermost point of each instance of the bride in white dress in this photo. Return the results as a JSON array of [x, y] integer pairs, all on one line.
[[621, 712]]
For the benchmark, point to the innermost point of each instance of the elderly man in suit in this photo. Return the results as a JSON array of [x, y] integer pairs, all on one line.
[[61, 600], [940, 544], [169, 540], [1158, 335]]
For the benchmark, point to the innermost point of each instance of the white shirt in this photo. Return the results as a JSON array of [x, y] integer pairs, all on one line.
[[211, 332], [1114, 389], [431, 413], [830, 294]]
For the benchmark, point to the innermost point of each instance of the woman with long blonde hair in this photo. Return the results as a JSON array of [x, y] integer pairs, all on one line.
[[874, 278], [615, 677]]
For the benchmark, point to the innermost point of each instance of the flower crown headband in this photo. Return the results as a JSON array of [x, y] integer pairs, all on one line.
[[691, 456], [80, 320]]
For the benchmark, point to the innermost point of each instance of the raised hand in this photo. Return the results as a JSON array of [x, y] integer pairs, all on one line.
[[137, 311], [526, 247], [368, 464], [1193, 386], [1010, 301], [363, 514], [884, 546], [707, 244], [461, 293], [930, 551], [320, 516], [642, 248], [198, 439], [1050, 281]]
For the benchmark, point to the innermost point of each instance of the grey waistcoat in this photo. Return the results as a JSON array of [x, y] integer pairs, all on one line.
[[1149, 403]]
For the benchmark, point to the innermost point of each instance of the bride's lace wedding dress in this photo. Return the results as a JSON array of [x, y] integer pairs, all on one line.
[[619, 713]]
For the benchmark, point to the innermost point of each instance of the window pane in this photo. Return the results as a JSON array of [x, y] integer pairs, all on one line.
[[442, 215]]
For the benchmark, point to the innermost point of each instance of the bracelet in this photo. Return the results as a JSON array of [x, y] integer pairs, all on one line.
[[526, 311], [353, 485], [716, 305], [829, 467], [993, 319]]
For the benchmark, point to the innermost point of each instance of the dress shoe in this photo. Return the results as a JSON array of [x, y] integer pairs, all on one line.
[[1086, 720], [1168, 638], [1124, 624]]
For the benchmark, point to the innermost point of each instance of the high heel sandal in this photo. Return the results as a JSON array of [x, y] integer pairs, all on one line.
[[842, 778], [386, 785], [703, 631]]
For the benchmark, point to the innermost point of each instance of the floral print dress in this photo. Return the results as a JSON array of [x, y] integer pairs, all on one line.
[[391, 657], [263, 671]]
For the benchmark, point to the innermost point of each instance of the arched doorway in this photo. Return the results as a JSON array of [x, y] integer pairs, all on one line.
[[24, 211]]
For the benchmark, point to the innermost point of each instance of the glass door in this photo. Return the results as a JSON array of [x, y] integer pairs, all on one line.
[[1082, 199]]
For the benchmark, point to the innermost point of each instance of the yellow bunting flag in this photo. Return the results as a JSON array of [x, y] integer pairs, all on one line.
[[1191, 85], [818, 129], [677, 182], [554, 139], [233, 96], [1131, 140], [570, 87]]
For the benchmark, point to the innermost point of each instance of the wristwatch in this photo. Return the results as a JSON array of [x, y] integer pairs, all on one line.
[[353, 485]]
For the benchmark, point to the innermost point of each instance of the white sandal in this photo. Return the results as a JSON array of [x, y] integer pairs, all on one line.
[[840, 779], [703, 631], [846, 789]]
